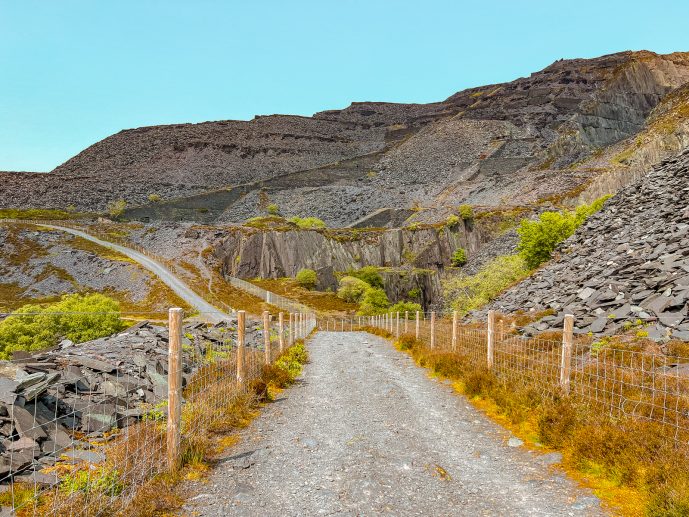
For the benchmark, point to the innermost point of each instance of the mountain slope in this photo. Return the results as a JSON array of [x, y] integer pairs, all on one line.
[[510, 143], [628, 264]]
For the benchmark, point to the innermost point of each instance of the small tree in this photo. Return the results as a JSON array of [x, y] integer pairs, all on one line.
[[273, 209], [352, 289], [459, 257], [307, 278], [374, 301], [117, 208], [368, 274]]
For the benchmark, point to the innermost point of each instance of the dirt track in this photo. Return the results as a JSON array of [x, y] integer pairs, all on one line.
[[366, 432]]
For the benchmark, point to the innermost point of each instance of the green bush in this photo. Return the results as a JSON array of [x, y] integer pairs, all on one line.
[[469, 292], [452, 221], [459, 257], [466, 212], [75, 317], [307, 223], [368, 274], [403, 307], [293, 359], [154, 198], [307, 278], [374, 301], [539, 238], [352, 289], [116, 208], [273, 209]]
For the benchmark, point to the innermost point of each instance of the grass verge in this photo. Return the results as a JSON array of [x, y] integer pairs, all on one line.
[[636, 467]]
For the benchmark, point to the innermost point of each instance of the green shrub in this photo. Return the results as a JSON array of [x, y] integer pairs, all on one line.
[[75, 317], [154, 198], [403, 307], [307, 223], [459, 257], [352, 289], [469, 292], [452, 221], [117, 208], [414, 293], [466, 212], [374, 301], [307, 278], [273, 209], [293, 359], [368, 274], [538, 239]]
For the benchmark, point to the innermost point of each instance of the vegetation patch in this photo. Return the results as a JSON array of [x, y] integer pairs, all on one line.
[[318, 300], [75, 317], [40, 214]]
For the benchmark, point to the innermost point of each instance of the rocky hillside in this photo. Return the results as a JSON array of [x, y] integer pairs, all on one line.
[[40, 265], [511, 143], [627, 267]]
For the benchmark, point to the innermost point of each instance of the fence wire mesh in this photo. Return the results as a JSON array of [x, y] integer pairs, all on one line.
[[85, 426], [622, 383]]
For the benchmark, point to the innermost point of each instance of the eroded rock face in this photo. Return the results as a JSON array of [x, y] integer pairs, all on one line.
[[629, 263], [505, 143]]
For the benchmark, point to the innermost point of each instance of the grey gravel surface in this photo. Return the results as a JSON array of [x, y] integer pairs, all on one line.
[[366, 432]]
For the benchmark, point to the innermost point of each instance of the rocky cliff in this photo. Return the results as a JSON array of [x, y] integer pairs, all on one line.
[[514, 143]]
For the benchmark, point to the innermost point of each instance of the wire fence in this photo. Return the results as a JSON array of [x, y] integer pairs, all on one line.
[[85, 426], [269, 297], [621, 382]]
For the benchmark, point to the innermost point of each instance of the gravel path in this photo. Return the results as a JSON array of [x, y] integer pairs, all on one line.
[[206, 310], [366, 432]]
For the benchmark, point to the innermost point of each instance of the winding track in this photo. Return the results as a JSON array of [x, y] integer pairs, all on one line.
[[366, 432], [206, 310]]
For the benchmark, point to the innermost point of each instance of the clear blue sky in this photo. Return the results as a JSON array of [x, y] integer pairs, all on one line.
[[75, 71]]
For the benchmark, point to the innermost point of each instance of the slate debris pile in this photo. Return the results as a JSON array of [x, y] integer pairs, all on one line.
[[55, 403], [627, 266]]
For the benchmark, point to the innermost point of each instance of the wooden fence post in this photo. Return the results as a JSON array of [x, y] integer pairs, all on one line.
[[241, 328], [281, 331], [454, 331], [397, 326], [266, 335], [418, 325], [432, 329], [174, 388], [566, 363], [290, 340], [491, 338]]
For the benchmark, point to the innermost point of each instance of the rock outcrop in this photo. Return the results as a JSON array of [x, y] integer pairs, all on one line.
[[626, 267]]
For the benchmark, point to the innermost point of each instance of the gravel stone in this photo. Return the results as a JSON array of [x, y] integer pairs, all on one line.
[[388, 440]]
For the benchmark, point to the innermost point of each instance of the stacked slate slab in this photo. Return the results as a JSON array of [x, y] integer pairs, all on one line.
[[89, 389], [627, 263]]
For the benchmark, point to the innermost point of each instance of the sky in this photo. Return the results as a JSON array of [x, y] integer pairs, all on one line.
[[75, 71]]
